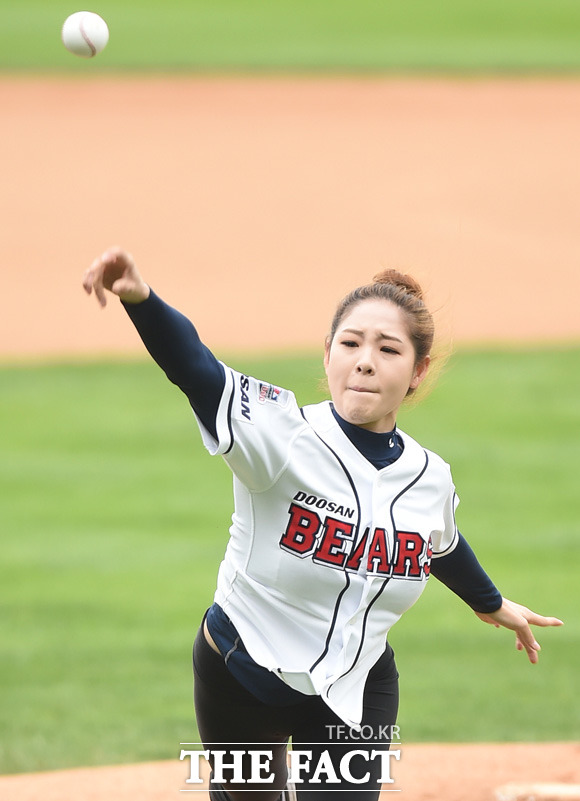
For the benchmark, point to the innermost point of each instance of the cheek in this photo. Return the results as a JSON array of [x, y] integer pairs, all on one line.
[[400, 381], [331, 363], [336, 375], [331, 375]]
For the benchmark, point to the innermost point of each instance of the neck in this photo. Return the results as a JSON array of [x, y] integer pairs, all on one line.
[[380, 448]]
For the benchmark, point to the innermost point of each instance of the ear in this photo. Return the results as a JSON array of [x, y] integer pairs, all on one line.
[[420, 372], [326, 352]]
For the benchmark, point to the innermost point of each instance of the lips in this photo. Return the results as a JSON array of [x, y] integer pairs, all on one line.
[[362, 389]]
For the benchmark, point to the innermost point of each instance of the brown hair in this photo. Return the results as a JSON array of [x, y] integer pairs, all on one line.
[[404, 292]]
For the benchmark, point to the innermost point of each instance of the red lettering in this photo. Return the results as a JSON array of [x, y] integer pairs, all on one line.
[[355, 557], [331, 548], [408, 549], [378, 561], [427, 562], [300, 534], [328, 542]]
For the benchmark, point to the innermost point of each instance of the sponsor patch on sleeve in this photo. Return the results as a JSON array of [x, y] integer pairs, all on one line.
[[270, 393]]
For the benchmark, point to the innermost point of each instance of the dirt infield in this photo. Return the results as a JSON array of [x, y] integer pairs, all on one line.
[[253, 204]]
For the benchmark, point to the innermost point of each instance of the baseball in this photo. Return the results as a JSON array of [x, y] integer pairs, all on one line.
[[85, 34]]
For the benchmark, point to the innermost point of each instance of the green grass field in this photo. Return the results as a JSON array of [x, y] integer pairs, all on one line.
[[114, 521], [302, 35]]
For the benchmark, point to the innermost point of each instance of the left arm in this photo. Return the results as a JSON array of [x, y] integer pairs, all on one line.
[[518, 618], [462, 573]]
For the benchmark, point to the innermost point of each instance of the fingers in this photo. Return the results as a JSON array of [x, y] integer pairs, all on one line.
[[519, 618], [540, 620], [525, 640], [93, 280], [104, 271], [524, 636], [532, 618]]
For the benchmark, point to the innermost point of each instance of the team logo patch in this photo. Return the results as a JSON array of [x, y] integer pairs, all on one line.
[[268, 392]]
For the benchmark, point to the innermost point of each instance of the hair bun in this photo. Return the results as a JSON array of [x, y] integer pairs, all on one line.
[[402, 280]]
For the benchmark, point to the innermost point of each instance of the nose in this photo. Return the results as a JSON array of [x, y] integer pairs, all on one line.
[[365, 364]]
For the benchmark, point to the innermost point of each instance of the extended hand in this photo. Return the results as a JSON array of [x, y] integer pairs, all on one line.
[[115, 271], [518, 618]]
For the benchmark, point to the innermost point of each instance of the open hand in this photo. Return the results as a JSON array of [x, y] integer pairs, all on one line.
[[518, 618], [116, 272]]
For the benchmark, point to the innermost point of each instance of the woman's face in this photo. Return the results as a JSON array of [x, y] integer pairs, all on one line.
[[370, 365]]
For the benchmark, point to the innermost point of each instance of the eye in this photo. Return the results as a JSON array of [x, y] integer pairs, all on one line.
[[349, 343], [387, 349]]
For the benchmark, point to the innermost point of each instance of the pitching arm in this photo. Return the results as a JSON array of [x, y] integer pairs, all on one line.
[[168, 335]]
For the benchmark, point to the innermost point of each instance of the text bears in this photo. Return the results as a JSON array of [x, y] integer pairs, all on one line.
[[331, 542]]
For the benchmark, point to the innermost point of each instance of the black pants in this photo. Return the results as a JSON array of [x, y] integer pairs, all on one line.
[[231, 718]]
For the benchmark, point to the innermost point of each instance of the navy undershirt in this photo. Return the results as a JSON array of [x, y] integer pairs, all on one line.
[[381, 449], [174, 344]]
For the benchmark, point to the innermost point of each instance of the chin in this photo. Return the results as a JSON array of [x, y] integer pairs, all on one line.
[[367, 418], [358, 417]]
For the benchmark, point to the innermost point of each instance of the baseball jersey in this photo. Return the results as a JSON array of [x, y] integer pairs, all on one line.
[[325, 552]]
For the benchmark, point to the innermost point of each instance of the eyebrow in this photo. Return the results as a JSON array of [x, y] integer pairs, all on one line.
[[390, 337]]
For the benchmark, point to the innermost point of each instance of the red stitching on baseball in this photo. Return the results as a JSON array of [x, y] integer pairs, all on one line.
[[86, 38]]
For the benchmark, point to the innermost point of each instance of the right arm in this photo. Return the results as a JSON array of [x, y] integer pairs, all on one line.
[[170, 338]]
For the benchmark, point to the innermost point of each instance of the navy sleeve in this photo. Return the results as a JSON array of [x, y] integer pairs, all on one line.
[[462, 573], [174, 344]]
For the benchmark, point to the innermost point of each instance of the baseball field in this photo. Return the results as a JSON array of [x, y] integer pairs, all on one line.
[[259, 160]]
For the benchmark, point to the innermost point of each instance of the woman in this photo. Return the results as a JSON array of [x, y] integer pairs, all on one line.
[[339, 520]]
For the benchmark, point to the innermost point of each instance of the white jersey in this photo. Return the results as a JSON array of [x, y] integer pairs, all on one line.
[[325, 552]]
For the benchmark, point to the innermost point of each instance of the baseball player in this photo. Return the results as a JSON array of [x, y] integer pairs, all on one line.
[[340, 518]]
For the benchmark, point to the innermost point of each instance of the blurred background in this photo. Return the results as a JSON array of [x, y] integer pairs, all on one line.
[[260, 159]]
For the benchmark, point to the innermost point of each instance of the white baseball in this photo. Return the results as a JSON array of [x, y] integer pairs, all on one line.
[[85, 34]]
